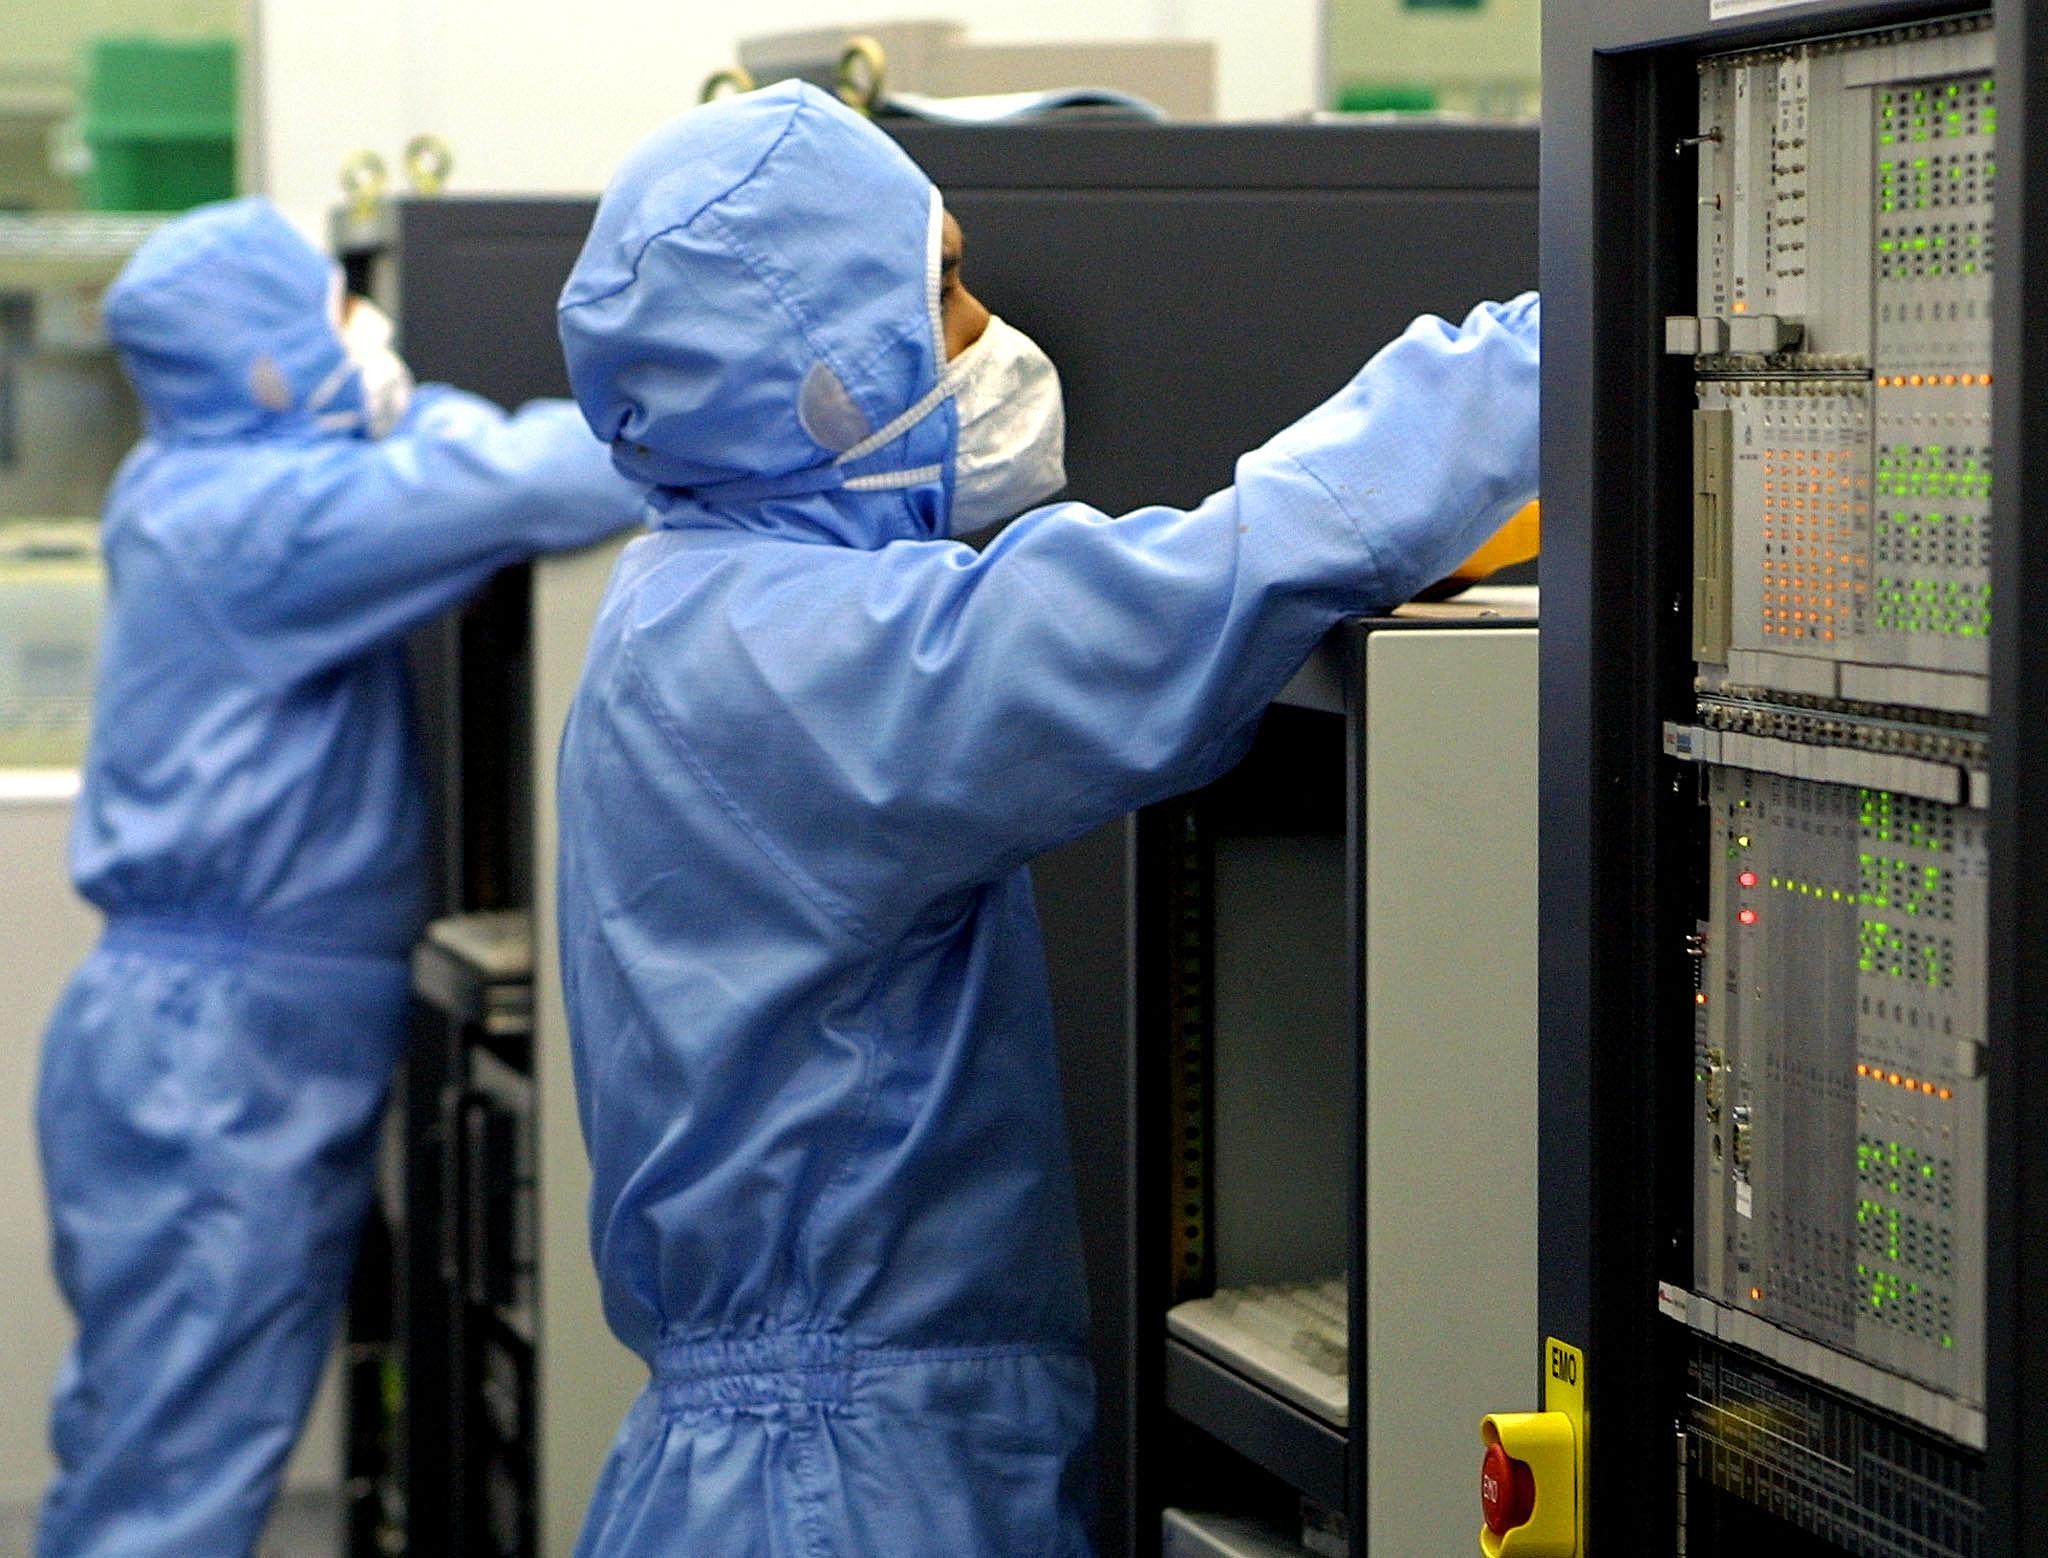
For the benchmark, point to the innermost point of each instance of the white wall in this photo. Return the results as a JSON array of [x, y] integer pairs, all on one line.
[[49, 931], [538, 97]]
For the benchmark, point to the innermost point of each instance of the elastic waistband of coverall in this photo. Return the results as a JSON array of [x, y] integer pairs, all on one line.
[[804, 1368], [212, 936]]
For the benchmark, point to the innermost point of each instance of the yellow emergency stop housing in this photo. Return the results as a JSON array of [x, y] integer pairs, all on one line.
[[1547, 1445], [1552, 1444]]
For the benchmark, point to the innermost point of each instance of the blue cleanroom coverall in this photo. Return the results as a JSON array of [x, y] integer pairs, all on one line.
[[252, 826], [814, 746]]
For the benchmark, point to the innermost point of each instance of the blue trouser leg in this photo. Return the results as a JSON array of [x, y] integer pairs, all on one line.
[[208, 1155]]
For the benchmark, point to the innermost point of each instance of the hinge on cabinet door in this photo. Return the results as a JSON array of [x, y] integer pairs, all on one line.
[[1678, 1548]]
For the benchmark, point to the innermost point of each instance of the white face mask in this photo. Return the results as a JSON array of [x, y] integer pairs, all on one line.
[[387, 382], [1012, 447]]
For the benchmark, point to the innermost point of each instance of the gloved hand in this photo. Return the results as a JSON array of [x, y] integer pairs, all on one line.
[[1517, 541]]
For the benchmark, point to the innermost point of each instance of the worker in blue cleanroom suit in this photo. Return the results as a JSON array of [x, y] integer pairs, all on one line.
[[252, 825], [815, 744]]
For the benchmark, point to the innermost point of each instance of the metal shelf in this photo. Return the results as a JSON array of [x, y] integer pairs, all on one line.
[[1301, 1450], [69, 248]]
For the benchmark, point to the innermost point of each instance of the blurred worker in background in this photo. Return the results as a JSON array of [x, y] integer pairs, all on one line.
[[252, 825], [816, 742]]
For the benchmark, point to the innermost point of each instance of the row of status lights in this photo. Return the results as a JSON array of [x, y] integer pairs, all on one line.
[[1932, 380], [1910, 1084]]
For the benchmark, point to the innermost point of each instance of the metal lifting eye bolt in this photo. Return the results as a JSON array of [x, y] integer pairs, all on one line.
[[428, 162], [724, 83], [862, 66], [363, 177]]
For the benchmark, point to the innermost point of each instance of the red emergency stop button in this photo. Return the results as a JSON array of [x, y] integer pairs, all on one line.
[[1524, 1449], [1507, 1490]]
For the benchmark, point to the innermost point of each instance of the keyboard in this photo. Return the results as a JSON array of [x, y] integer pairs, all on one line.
[[1293, 1338]]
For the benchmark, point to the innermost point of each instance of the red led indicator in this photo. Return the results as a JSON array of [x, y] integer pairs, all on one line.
[[1747, 879], [1747, 916]]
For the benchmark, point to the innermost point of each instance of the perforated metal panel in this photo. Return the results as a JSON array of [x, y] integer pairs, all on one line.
[[1839, 1125]]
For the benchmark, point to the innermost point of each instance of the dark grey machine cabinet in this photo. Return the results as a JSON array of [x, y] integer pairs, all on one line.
[[1793, 942], [1199, 287]]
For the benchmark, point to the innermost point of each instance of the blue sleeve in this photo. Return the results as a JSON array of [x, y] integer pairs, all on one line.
[[941, 716], [363, 540]]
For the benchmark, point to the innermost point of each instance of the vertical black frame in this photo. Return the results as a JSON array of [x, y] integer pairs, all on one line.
[[1617, 80], [2017, 1249]]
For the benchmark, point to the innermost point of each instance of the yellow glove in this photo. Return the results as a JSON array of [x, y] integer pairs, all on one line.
[[1520, 539]]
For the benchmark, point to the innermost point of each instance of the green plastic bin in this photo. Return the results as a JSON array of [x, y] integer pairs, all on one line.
[[1383, 97], [159, 123]]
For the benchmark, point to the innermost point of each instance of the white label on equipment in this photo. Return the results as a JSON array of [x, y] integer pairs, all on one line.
[[1742, 1198], [1725, 10]]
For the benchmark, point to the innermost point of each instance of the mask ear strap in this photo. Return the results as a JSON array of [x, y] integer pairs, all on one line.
[[886, 435], [945, 380], [332, 385], [934, 273], [337, 311], [893, 481]]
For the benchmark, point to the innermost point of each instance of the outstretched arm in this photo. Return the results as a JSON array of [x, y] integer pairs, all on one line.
[[945, 715], [362, 541]]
